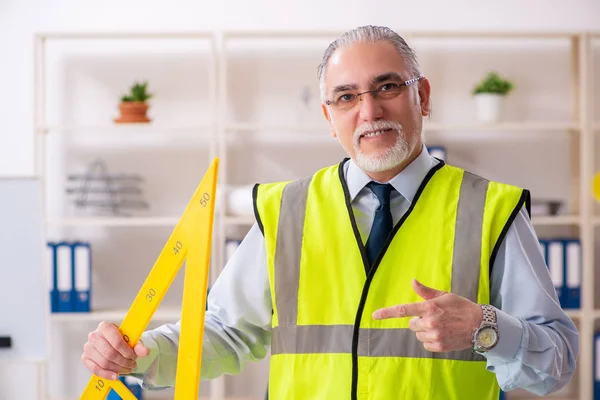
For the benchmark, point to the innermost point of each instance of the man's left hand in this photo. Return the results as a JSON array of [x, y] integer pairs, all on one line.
[[443, 322]]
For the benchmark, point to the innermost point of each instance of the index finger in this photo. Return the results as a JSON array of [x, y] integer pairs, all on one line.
[[401, 311], [113, 336]]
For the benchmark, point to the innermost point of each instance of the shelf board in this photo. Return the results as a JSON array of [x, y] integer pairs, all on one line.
[[127, 35], [556, 220], [573, 313], [428, 126], [125, 128], [276, 133], [167, 314], [502, 127], [239, 220], [294, 138], [320, 133], [250, 126], [234, 220], [490, 34], [132, 134], [417, 34], [114, 221]]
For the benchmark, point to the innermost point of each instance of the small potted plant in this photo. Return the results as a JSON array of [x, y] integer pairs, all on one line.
[[134, 106], [489, 94]]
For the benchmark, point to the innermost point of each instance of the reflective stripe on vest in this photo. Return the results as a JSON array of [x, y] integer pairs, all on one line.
[[315, 339], [289, 338]]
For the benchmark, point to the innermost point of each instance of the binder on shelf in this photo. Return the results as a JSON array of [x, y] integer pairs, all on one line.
[[573, 271], [556, 265], [544, 249], [596, 366], [82, 270], [438, 152], [52, 285], [64, 277]]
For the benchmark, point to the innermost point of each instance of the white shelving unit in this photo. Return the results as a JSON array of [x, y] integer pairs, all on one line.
[[243, 131], [104, 137]]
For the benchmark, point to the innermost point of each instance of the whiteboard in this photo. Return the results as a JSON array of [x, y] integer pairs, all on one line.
[[24, 292]]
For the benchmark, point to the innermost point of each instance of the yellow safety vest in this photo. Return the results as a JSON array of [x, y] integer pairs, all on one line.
[[325, 343]]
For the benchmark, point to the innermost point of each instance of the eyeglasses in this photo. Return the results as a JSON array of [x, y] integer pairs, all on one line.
[[389, 90]]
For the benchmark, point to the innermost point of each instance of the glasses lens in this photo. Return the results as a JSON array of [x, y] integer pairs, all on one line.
[[346, 102], [389, 92]]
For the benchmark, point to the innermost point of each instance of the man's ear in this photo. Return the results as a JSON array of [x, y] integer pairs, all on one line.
[[329, 118], [425, 96]]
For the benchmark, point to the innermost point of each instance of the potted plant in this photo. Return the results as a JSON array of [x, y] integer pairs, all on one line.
[[489, 94], [134, 106]]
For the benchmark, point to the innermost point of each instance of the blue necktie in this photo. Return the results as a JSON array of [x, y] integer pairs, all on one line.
[[382, 223]]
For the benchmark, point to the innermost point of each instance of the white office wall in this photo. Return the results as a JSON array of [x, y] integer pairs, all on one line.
[[19, 20]]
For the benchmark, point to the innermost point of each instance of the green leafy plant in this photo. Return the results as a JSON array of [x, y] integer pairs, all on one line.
[[138, 92], [493, 83]]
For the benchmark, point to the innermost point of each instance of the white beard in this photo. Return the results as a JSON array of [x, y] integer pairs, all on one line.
[[387, 159]]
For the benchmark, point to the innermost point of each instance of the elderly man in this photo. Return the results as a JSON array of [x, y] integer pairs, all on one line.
[[391, 275]]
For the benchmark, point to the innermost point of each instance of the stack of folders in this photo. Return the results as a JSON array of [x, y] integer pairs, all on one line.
[[437, 152], [70, 276], [133, 386], [563, 258]]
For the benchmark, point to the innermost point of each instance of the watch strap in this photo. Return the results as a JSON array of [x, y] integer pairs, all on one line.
[[489, 314]]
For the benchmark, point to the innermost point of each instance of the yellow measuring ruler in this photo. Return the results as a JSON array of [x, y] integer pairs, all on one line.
[[190, 241], [596, 186]]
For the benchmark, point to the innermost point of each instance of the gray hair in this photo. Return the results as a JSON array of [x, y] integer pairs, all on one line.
[[368, 34]]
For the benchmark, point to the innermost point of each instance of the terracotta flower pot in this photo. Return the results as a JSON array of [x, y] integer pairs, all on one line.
[[133, 112]]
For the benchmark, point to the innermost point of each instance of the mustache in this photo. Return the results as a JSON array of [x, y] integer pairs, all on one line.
[[380, 125]]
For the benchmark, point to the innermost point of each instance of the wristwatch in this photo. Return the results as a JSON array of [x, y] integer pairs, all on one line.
[[486, 336]]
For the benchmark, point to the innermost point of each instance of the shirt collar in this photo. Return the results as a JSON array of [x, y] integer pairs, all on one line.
[[406, 183]]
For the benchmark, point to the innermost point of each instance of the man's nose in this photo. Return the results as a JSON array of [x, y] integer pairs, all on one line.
[[370, 108]]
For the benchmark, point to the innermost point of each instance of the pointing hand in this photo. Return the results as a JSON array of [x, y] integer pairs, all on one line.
[[442, 322]]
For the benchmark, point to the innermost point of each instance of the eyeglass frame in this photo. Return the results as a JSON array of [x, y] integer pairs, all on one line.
[[375, 92]]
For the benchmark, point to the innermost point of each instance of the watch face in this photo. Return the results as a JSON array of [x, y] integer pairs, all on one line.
[[486, 337]]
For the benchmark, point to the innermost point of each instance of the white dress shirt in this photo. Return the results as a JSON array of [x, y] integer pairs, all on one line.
[[538, 343]]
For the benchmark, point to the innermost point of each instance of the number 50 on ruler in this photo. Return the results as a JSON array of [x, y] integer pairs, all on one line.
[[190, 241]]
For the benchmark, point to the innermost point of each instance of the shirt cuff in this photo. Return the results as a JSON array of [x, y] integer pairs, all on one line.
[[510, 331]]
